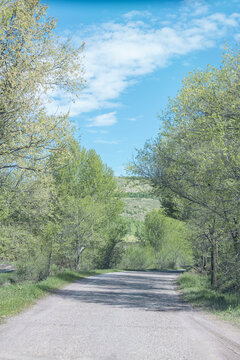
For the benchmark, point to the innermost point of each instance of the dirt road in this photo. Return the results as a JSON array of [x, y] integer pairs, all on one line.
[[130, 315]]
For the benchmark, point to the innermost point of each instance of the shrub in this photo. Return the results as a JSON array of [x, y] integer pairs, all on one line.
[[137, 257], [33, 269]]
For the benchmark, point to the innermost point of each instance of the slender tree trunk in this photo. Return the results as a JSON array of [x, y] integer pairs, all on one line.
[[50, 257], [77, 260], [156, 255], [213, 251], [80, 250], [49, 262], [203, 263], [235, 238], [236, 245], [213, 262]]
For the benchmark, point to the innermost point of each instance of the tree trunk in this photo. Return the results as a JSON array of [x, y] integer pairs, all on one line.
[[50, 256], [80, 250], [213, 262], [203, 263], [49, 262]]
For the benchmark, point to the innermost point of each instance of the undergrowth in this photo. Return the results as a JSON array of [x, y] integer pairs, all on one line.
[[197, 291]]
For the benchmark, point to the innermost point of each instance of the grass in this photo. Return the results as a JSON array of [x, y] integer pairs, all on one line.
[[17, 297], [6, 278], [197, 291]]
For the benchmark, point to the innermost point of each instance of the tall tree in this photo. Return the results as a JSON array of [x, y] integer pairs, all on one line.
[[196, 159], [33, 61], [88, 206], [34, 64]]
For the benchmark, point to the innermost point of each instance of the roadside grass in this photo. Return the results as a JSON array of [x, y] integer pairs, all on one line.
[[6, 278], [17, 297], [197, 291]]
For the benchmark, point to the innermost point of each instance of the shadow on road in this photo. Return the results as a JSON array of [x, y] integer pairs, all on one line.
[[151, 292]]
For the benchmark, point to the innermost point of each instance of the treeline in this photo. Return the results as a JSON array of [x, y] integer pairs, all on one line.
[[194, 165], [57, 200]]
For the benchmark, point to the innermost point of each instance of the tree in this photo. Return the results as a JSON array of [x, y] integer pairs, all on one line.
[[196, 159], [33, 62], [25, 227], [88, 206], [111, 251], [169, 238], [155, 231]]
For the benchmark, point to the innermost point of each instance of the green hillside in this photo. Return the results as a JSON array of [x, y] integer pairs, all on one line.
[[139, 200]]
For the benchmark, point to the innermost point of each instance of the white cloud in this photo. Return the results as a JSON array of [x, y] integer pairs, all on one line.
[[97, 131], [195, 8], [118, 54], [107, 119], [136, 13], [107, 142], [218, 23], [237, 37]]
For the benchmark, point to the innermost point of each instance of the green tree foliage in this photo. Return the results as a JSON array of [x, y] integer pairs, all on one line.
[[55, 217], [154, 232], [195, 159], [169, 238], [23, 229], [88, 206], [56, 198], [163, 243], [33, 62], [112, 250], [138, 257]]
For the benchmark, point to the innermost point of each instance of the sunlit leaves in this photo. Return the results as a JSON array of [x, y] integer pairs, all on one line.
[[33, 61], [195, 161]]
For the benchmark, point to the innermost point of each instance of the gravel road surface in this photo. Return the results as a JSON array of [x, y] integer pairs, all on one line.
[[125, 315]]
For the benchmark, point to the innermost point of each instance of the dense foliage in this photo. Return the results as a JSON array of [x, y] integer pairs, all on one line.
[[57, 200], [194, 165], [162, 243]]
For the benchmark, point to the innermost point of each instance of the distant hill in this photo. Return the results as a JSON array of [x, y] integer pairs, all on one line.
[[138, 197], [139, 200]]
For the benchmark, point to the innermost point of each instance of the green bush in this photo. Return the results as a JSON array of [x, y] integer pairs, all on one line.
[[137, 257], [33, 269], [7, 278]]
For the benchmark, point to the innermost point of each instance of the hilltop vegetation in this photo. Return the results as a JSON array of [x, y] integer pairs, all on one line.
[[138, 197], [134, 185]]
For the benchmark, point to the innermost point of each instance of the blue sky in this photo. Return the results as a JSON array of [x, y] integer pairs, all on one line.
[[136, 54]]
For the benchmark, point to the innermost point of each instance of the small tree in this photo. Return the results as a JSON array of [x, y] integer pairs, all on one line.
[[155, 231]]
